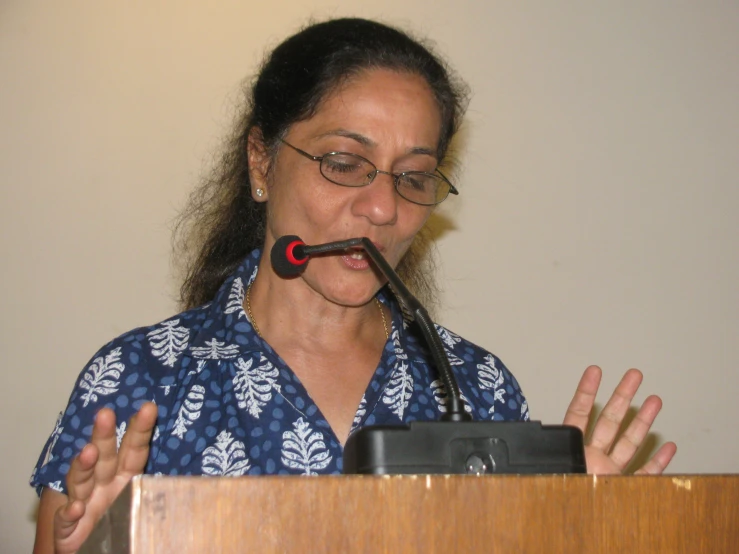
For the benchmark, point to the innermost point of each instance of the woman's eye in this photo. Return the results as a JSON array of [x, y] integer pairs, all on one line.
[[342, 166], [416, 182]]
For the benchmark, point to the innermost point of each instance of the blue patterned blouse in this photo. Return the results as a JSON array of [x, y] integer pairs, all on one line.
[[229, 405]]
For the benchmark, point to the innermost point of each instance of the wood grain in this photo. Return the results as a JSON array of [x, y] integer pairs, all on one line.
[[565, 513]]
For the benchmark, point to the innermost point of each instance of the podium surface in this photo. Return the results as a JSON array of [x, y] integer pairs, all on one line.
[[539, 513]]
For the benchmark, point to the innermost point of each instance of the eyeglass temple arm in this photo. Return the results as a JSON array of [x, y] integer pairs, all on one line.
[[452, 188]]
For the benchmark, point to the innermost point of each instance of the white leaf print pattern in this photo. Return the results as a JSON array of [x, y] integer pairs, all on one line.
[[525, 411], [198, 368], [442, 398], [399, 391], [57, 486], [489, 377], [399, 352], [453, 358], [215, 350], [103, 376], [253, 387], [449, 338], [304, 449], [168, 342], [54, 437], [226, 457], [236, 298], [189, 411], [119, 432], [361, 410], [498, 396]]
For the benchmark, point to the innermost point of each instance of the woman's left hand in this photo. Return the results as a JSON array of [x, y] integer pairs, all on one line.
[[609, 450]]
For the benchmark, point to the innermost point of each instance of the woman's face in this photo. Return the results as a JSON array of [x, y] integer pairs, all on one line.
[[387, 117]]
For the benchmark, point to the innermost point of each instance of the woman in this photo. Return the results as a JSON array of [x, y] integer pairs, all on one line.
[[347, 125]]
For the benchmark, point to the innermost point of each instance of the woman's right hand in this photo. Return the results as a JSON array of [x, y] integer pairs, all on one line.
[[95, 478]]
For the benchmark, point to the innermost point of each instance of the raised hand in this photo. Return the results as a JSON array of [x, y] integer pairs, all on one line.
[[96, 477], [609, 450]]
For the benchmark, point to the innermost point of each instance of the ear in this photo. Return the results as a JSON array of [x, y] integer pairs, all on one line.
[[258, 165]]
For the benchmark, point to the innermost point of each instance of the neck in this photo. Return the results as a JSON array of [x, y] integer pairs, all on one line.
[[289, 312]]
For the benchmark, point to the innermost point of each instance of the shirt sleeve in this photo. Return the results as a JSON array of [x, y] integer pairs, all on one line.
[[115, 378], [500, 392], [517, 407]]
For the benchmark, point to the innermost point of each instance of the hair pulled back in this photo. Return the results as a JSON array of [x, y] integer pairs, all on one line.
[[221, 223]]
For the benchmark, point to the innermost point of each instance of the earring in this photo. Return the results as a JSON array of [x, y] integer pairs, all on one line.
[[259, 192]]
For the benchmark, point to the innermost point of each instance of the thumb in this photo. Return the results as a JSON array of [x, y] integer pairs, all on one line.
[[67, 517]]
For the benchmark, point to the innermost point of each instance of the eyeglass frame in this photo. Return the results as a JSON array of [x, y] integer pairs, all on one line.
[[396, 176]]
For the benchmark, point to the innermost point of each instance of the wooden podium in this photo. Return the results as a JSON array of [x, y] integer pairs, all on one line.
[[426, 514]]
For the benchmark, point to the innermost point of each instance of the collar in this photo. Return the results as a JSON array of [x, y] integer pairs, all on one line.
[[227, 333]]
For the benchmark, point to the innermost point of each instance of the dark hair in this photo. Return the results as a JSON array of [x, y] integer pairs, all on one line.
[[221, 223]]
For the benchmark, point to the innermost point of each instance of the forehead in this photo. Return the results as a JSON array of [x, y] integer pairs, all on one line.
[[383, 105]]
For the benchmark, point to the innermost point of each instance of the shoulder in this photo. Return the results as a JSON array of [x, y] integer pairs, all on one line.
[[122, 375], [490, 389], [161, 344], [146, 364]]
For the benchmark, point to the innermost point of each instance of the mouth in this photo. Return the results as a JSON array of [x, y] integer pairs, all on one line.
[[358, 255], [358, 259]]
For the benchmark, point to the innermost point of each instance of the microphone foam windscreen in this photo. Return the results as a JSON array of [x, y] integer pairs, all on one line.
[[283, 258]]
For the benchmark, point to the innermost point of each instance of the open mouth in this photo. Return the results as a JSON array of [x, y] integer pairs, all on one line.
[[358, 255]]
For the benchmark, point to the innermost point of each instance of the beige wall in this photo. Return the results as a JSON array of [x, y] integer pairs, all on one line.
[[597, 221]]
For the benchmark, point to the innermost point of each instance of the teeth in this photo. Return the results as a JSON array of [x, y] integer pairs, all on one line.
[[357, 255]]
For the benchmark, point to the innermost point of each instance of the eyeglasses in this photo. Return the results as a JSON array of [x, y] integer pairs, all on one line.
[[352, 170]]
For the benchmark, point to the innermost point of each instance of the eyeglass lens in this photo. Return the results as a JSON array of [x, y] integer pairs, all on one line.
[[353, 171]]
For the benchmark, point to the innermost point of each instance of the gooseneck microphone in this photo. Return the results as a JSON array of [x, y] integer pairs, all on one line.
[[289, 256], [455, 444]]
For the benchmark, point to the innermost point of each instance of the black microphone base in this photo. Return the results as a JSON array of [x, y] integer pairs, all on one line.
[[474, 447]]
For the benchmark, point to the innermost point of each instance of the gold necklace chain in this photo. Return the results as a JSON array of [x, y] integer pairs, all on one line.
[[384, 321], [256, 328], [248, 311]]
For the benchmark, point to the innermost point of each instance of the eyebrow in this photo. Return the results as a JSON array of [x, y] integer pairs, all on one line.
[[366, 141]]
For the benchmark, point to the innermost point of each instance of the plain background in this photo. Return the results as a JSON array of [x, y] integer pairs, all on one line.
[[596, 224]]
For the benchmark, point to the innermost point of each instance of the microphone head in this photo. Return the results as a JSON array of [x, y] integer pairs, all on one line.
[[287, 256]]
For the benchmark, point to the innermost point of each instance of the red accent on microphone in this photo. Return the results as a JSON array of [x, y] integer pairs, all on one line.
[[289, 253], [286, 261]]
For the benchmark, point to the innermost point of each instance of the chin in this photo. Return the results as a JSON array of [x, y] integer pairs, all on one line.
[[352, 294], [345, 287], [352, 299]]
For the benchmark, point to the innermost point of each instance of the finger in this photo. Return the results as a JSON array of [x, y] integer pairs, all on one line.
[[104, 438], [81, 474], [581, 405], [659, 462], [134, 450], [609, 421], [67, 517], [631, 439]]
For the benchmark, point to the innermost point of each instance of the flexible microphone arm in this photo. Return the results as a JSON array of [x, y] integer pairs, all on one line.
[[455, 444], [455, 410]]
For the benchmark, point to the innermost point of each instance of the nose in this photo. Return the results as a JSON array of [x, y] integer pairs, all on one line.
[[378, 201]]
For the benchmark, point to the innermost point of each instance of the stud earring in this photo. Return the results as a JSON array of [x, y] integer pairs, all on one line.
[[259, 192]]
